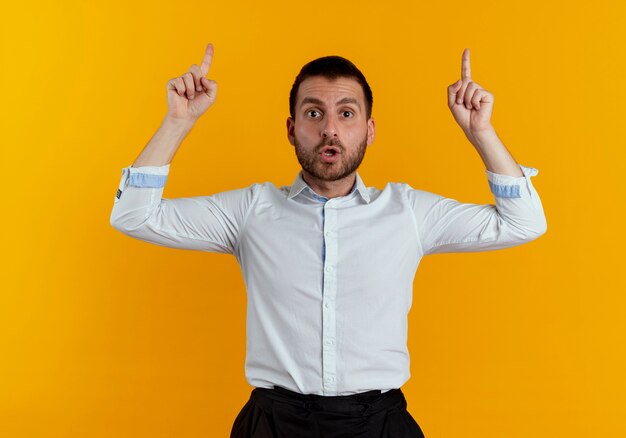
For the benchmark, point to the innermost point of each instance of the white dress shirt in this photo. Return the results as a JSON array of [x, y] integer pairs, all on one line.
[[328, 281]]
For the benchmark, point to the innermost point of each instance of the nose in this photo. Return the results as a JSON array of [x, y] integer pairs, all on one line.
[[328, 128]]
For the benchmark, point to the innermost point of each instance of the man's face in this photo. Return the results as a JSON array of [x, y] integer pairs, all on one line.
[[330, 113]]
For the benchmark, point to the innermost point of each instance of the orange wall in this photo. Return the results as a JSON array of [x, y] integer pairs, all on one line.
[[105, 336]]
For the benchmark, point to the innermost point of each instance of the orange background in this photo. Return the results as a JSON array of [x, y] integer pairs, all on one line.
[[102, 335]]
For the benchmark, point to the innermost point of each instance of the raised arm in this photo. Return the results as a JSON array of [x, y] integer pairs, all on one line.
[[205, 223], [517, 217], [188, 97], [472, 106]]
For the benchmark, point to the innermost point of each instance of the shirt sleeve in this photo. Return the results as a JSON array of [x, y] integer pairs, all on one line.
[[203, 223], [447, 225]]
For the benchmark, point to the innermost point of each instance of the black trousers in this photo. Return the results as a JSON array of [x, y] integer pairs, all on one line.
[[280, 413]]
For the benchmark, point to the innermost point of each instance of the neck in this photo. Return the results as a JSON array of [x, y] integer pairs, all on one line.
[[330, 189]]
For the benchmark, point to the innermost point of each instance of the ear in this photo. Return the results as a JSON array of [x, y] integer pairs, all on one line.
[[371, 131], [290, 130]]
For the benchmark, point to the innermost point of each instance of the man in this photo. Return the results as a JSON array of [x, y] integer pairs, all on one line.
[[328, 262]]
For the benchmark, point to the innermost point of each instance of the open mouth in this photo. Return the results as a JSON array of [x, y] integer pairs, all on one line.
[[329, 151], [330, 154]]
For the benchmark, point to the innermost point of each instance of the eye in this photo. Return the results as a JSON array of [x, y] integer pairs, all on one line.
[[349, 112], [312, 111]]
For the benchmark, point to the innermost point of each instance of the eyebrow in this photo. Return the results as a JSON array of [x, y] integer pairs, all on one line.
[[339, 102]]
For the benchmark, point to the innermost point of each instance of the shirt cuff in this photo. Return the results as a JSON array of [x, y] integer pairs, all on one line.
[[507, 186], [148, 176]]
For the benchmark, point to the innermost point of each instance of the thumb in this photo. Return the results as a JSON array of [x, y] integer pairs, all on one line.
[[452, 90]]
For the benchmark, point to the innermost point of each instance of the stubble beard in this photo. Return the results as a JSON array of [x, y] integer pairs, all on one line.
[[343, 167]]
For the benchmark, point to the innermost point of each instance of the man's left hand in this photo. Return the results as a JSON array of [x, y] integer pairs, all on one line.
[[471, 105]]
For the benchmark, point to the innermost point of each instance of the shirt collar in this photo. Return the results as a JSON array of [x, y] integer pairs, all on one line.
[[299, 184]]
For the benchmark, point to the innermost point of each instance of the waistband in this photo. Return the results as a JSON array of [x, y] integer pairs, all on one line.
[[362, 403]]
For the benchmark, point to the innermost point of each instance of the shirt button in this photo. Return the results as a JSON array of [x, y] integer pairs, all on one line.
[[329, 268], [327, 304], [328, 233], [330, 379]]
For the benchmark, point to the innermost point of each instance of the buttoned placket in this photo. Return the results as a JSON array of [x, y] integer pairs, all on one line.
[[330, 253], [329, 295]]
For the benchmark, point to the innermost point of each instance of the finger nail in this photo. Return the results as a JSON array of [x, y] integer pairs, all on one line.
[[198, 88]]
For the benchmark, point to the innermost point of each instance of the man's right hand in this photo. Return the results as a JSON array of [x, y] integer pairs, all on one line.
[[190, 95]]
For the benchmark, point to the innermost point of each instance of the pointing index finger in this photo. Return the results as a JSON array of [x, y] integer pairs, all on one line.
[[466, 73], [206, 61]]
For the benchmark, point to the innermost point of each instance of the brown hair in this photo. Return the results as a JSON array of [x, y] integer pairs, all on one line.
[[331, 67]]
